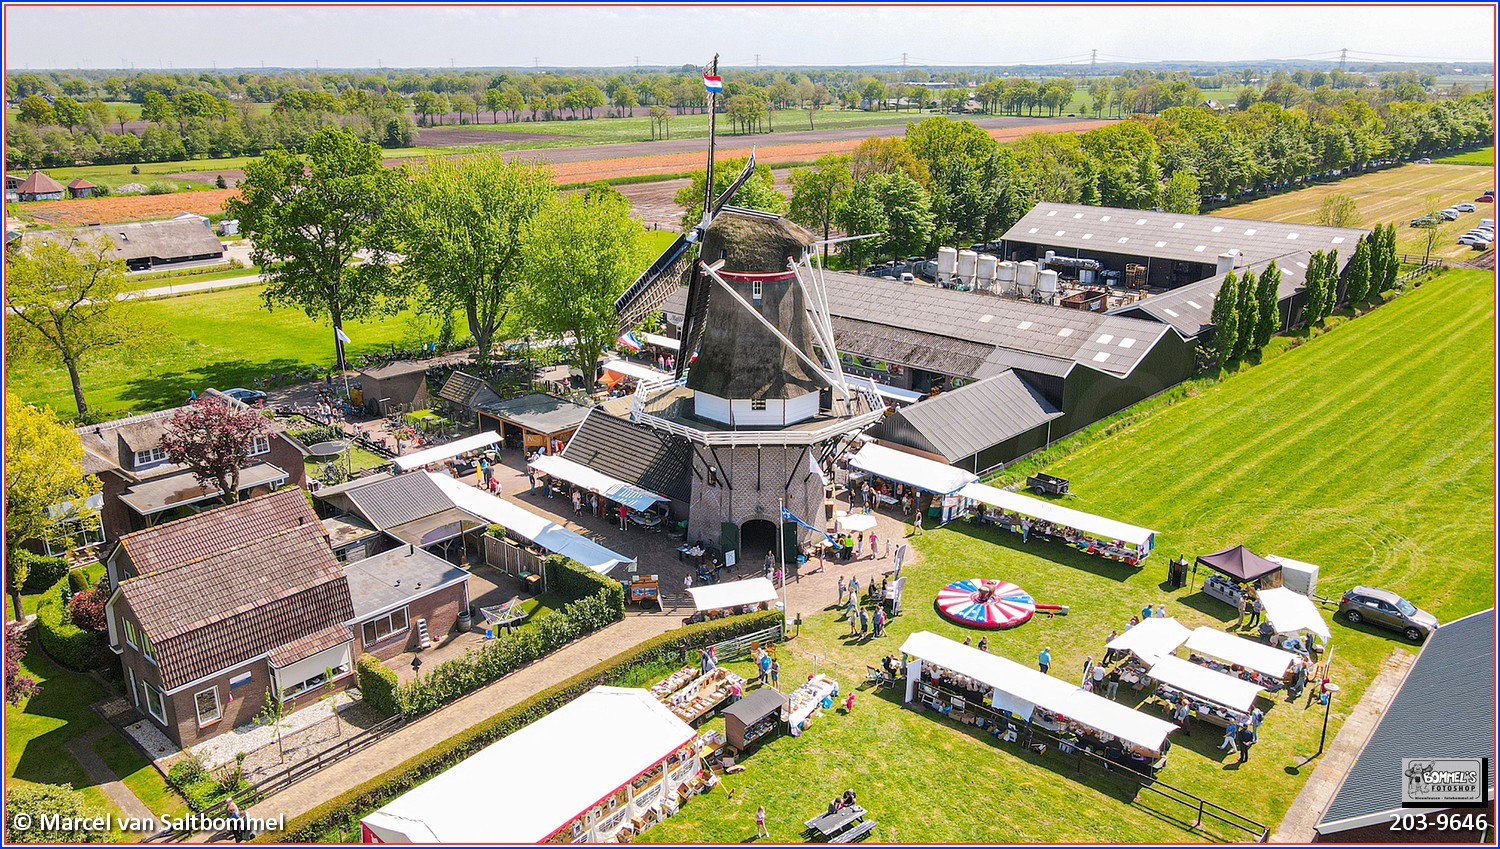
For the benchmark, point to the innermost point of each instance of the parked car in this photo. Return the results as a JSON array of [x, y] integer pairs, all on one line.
[[1487, 222], [1449, 214], [247, 396], [1481, 246], [1485, 198], [1469, 239], [1424, 161], [1464, 207], [1427, 220], [1385, 609]]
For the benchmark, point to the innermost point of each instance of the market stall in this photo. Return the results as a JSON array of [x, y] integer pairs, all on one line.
[[571, 776], [1291, 613], [801, 702], [951, 677], [941, 482], [1089, 533], [754, 718], [1215, 697], [732, 597], [1260, 662], [1237, 567], [1152, 638], [593, 481], [447, 450], [697, 698]]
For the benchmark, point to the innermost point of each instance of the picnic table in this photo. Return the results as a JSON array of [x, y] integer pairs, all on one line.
[[830, 824]]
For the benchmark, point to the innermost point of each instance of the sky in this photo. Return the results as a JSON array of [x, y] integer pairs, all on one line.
[[343, 36]]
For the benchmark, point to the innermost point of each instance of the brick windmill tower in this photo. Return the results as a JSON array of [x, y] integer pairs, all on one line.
[[764, 402]]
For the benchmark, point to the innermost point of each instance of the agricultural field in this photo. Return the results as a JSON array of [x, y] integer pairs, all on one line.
[[1302, 455], [1484, 156], [1396, 194]]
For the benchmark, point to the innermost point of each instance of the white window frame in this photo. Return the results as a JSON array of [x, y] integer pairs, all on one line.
[[314, 682], [260, 445], [161, 698], [148, 651], [390, 625], [152, 456], [218, 713], [755, 290], [77, 536], [135, 694], [130, 635]]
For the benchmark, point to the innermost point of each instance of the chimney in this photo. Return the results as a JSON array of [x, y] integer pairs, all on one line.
[[1228, 261], [410, 550]]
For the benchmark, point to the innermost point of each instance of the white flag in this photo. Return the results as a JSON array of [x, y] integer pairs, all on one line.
[[338, 333]]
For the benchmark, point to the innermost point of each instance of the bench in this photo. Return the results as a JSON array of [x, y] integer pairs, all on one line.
[[855, 833]]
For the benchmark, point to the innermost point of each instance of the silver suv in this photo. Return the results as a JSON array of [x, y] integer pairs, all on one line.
[[1385, 609]]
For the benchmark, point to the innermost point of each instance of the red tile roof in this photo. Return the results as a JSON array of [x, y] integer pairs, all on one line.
[[38, 184], [175, 543], [80, 183]]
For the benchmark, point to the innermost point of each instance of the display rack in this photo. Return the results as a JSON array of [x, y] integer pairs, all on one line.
[[802, 701], [703, 694]]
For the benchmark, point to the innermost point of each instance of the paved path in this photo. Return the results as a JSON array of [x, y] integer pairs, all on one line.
[[82, 750], [172, 289], [1317, 794]]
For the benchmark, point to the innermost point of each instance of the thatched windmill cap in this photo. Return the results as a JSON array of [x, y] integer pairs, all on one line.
[[755, 243]]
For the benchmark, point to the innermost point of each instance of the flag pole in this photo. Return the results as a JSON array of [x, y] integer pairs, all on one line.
[[781, 538], [713, 102]]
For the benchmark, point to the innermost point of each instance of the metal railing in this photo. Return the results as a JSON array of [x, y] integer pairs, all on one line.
[[648, 390], [739, 647]]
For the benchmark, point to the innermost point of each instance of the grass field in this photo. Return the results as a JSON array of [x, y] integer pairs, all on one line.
[[1303, 455], [1484, 156], [1397, 194]]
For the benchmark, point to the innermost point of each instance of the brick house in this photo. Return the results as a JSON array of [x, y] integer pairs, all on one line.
[[213, 612], [140, 488]]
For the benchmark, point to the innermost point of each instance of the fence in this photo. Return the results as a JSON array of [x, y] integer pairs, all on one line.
[[1420, 270], [740, 646], [510, 558], [969, 704]]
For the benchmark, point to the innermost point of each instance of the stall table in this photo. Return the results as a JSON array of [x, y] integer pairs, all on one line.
[[802, 701], [754, 717], [699, 698]]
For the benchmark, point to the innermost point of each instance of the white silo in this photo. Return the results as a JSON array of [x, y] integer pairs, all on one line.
[[968, 263], [986, 272], [1048, 257], [947, 262], [1046, 284], [1005, 277], [1026, 278]]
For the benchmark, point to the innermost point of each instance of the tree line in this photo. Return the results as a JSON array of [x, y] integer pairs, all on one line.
[[973, 188]]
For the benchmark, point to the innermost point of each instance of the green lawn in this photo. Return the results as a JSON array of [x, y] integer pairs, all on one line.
[[360, 459], [1483, 156], [29, 601], [140, 776], [1364, 451], [137, 282]]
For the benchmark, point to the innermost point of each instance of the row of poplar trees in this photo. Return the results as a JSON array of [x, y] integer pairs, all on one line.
[[1245, 314]]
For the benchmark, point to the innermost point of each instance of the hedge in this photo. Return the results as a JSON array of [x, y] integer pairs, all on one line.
[[65, 642], [44, 571], [78, 581], [377, 684], [575, 581], [342, 812]]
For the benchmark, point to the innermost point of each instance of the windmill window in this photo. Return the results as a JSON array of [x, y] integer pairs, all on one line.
[[755, 290], [757, 403]]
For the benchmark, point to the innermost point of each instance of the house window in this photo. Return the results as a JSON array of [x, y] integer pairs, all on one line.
[[147, 650], [313, 683], [260, 445], [155, 705], [74, 535], [207, 703], [755, 289], [381, 627], [131, 635], [757, 403], [149, 456]]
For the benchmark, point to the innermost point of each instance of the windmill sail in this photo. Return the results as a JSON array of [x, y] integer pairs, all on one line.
[[657, 283]]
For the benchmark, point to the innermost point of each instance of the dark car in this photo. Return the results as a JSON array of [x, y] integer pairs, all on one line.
[[246, 396], [1385, 609]]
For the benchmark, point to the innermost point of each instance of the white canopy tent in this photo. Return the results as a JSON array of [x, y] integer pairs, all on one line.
[[910, 469], [1290, 612], [854, 522], [1205, 683], [635, 371], [529, 526], [661, 341], [1097, 527], [614, 489], [1152, 638], [442, 452], [529, 785], [733, 594], [1247, 653], [1021, 686]]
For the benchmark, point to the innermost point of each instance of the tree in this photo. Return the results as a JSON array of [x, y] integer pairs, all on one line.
[[1267, 309], [1226, 318], [69, 112], [1387, 263], [1248, 312], [63, 299], [1180, 193], [1358, 288], [624, 100], [1313, 285], [121, 115], [819, 191], [759, 192], [862, 214], [463, 221], [36, 111], [309, 216], [569, 289], [43, 472], [18, 685], [57, 814], [215, 438], [908, 214], [426, 104], [494, 100], [1338, 210], [156, 108], [462, 104]]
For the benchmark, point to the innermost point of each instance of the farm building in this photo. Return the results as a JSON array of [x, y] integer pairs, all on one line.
[[81, 188], [149, 244], [401, 385], [464, 393], [39, 186], [1190, 308], [12, 187], [532, 421]]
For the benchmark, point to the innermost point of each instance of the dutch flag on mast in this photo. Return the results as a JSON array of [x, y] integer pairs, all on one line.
[[713, 83]]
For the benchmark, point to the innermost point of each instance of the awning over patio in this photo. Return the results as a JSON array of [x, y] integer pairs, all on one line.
[[1152, 638], [733, 594], [1247, 653], [910, 469], [614, 489], [159, 495], [1289, 611], [635, 371], [1097, 527], [437, 528], [447, 450], [1204, 683], [661, 341]]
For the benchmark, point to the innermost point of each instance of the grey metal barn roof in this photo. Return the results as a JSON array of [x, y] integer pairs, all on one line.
[[968, 420], [1166, 235], [1444, 709], [466, 390], [157, 240], [539, 411], [395, 501], [910, 347], [1112, 344], [634, 454], [1190, 308]]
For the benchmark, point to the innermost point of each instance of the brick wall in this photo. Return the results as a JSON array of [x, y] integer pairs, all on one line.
[[440, 609]]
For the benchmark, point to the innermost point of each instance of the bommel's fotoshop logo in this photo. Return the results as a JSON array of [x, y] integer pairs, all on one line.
[[1447, 781]]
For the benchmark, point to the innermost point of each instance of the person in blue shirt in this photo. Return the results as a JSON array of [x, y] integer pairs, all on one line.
[[1044, 660]]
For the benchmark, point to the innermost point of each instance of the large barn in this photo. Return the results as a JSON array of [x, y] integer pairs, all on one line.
[[150, 244]]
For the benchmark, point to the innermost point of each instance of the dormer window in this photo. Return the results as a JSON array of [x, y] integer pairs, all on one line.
[[149, 456], [757, 403], [755, 290], [260, 445]]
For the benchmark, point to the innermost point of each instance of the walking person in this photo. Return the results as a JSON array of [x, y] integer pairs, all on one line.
[[1255, 610], [853, 619], [1025, 528], [1245, 739], [864, 622], [531, 478], [1109, 653], [760, 822], [1088, 667], [859, 545], [1242, 605], [775, 672], [577, 503], [1230, 732], [1097, 675], [880, 621], [874, 545], [1044, 660], [1113, 685], [853, 588], [841, 589], [916, 522], [765, 668]]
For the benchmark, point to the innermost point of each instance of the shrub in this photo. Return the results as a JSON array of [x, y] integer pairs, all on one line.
[[159, 188], [49, 801], [67, 643], [186, 771], [86, 609], [78, 580], [377, 685], [338, 816], [574, 580], [43, 571], [135, 169]]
